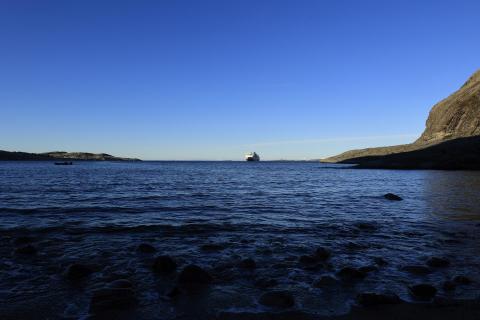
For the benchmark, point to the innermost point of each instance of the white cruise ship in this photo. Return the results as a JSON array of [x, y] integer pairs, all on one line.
[[252, 156]]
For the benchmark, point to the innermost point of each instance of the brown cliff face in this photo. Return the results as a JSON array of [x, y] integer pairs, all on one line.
[[457, 116]]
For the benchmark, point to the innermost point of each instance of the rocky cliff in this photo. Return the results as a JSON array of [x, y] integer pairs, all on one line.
[[455, 117], [60, 155]]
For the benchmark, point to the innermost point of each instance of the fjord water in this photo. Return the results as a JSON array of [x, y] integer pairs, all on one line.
[[273, 212]]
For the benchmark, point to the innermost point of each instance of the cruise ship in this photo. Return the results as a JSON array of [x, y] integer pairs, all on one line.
[[252, 156]]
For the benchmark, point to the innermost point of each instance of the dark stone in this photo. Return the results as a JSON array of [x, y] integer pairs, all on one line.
[[112, 299], [435, 262], [380, 261], [354, 246], [212, 247], [193, 274], [26, 250], [392, 196], [277, 299], [417, 270], [78, 271], [324, 281], [265, 283], [449, 285], [374, 299], [248, 263], [322, 253], [175, 292], [121, 284], [23, 240], [462, 280], [349, 273], [423, 291], [146, 248], [366, 226], [367, 269], [164, 264]]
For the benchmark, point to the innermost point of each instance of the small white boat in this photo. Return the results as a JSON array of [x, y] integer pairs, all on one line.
[[252, 156]]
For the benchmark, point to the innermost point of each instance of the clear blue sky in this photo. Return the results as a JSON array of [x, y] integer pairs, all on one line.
[[214, 79]]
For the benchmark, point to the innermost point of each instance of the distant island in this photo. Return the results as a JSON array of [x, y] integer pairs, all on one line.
[[59, 156], [451, 140]]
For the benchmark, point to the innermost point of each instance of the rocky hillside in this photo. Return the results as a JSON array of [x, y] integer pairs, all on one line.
[[457, 116], [60, 155]]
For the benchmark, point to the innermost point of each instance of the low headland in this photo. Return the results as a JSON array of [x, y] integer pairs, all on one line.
[[451, 140], [60, 156]]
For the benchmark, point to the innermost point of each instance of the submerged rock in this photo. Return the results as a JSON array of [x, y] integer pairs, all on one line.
[[368, 299], [417, 270], [112, 299], [449, 285], [308, 260], [26, 250], [121, 284], [212, 247], [277, 299], [248, 263], [78, 271], [146, 248], [23, 240], [324, 281], [423, 291], [392, 197], [435, 262], [322, 253], [380, 261], [164, 264], [193, 274]]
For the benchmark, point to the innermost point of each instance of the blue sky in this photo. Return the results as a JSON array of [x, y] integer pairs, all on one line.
[[215, 79]]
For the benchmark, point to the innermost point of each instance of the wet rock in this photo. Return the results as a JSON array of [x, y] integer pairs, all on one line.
[[367, 269], [107, 299], [417, 270], [23, 240], [436, 262], [164, 264], [449, 285], [211, 247], [26, 250], [146, 248], [462, 280], [322, 253], [368, 299], [423, 291], [277, 299], [78, 271], [175, 292], [121, 284], [324, 281], [366, 226], [264, 283], [392, 197], [349, 273], [380, 261], [248, 263], [193, 274]]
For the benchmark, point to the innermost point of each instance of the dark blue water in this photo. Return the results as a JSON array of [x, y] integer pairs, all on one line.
[[273, 212]]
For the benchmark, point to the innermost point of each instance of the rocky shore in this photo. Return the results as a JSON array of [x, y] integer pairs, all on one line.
[[451, 140]]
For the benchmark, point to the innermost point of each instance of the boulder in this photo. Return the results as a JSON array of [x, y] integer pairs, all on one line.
[[392, 197], [78, 271], [277, 299], [193, 275], [368, 299], [423, 291], [164, 264]]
